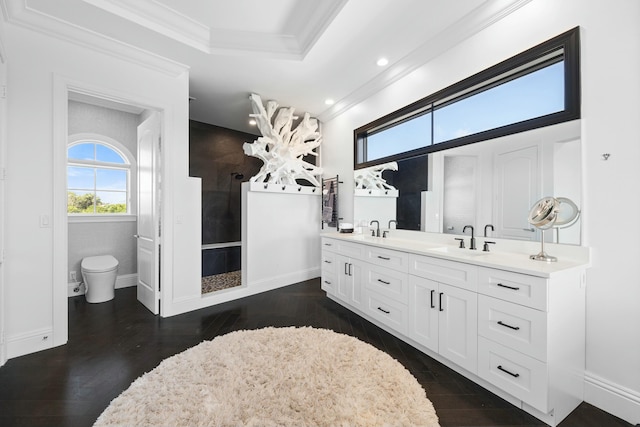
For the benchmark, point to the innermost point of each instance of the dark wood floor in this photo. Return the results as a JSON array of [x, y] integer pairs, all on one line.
[[113, 343]]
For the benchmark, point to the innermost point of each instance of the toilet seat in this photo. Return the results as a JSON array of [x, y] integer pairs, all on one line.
[[98, 264]]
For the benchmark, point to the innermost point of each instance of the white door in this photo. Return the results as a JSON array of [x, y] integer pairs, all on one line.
[[458, 326], [516, 191], [148, 236], [424, 311]]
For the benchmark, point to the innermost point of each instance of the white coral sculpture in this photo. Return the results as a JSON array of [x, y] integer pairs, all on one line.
[[371, 177], [280, 148]]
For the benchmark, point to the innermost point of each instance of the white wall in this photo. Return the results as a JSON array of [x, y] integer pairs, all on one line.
[[610, 111], [41, 70]]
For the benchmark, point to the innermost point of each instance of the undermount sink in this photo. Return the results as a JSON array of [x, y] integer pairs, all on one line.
[[459, 251]]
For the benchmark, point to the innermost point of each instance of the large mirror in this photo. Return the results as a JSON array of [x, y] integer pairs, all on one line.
[[493, 182]]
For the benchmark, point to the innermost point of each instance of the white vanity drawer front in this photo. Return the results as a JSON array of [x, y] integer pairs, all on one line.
[[352, 250], [388, 258], [515, 287], [520, 328], [390, 283], [329, 263], [328, 282], [388, 311], [440, 270], [519, 375]]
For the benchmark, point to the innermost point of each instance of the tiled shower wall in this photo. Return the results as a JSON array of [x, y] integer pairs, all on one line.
[[215, 154]]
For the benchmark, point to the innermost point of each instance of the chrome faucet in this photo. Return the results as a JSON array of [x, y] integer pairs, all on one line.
[[394, 221], [485, 229], [472, 246], [377, 233]]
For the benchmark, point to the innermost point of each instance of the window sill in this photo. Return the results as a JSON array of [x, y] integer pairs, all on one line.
[[101, 218]]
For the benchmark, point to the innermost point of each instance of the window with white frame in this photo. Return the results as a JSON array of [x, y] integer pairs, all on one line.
[[98, 178]]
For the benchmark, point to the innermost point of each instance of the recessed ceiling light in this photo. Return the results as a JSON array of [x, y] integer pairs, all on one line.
[[252, 122], [382, 62], [329, 101]]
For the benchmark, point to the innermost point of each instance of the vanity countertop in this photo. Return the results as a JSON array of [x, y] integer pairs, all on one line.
[[516, 259]]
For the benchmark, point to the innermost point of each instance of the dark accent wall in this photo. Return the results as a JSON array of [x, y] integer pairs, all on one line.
[[411, 179], [215, 153]]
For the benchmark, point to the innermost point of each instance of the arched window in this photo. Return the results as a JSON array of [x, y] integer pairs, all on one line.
[[98, 177]]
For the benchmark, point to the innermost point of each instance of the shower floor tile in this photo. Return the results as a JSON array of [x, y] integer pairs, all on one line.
[[218, 282]]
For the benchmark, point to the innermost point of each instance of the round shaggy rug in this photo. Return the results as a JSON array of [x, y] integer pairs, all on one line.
[[275, 377]]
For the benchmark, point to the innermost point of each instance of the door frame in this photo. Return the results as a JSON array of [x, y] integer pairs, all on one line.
[[62, 86]]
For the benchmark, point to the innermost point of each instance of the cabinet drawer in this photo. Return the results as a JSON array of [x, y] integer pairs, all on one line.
[[388, 311], [453, 273], [519, 375], [390, 283], [530, 291], [387, 258], [514, 326], [352, 250], [329, 263], [328, 283]]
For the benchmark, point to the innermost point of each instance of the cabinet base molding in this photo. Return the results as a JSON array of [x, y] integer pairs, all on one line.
[[613, 398]]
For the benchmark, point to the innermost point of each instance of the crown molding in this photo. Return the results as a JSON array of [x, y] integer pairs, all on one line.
[[303, 28], [477, 20], [19, 13], [157, 17]]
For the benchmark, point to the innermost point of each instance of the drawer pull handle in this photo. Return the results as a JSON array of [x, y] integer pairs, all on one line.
[[384, 258], [432, 304], [513, 288], [383, 310], [515, 328], [382, 281], [327, 261], [507, 372], [327, 282], [328, 244]]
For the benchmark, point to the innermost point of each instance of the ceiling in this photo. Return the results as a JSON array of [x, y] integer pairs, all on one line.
[[297, 52]]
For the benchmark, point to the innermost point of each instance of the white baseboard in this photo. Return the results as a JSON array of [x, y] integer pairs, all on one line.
[[127, 281], [613, 398], [122, 281]]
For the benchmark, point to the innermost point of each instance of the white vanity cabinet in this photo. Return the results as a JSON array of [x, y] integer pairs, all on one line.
[[514, 326], [443, 317], [531, 337], [342, 270]]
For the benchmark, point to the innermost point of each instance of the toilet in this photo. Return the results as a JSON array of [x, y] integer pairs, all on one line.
[[99, 275]]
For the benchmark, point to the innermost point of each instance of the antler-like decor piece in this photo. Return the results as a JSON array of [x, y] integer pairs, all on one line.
[[371, 177], [281, 148]]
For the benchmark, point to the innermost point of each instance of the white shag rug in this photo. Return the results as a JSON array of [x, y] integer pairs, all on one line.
[[275, 377]]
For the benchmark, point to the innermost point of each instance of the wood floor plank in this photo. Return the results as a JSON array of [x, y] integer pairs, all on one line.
[[113, 343]]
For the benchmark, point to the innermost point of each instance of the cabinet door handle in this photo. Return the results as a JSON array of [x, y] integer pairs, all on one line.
[[508, 372], [384, 258], [432, 304], [383, 310], [513, 288], [382, 281], [345, 268], [350, 269], [440, 301], [515, 328]]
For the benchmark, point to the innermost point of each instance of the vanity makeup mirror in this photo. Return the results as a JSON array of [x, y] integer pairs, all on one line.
[[492, 182]]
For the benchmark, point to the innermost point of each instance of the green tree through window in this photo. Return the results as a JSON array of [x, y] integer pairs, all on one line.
[[97, 179]]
